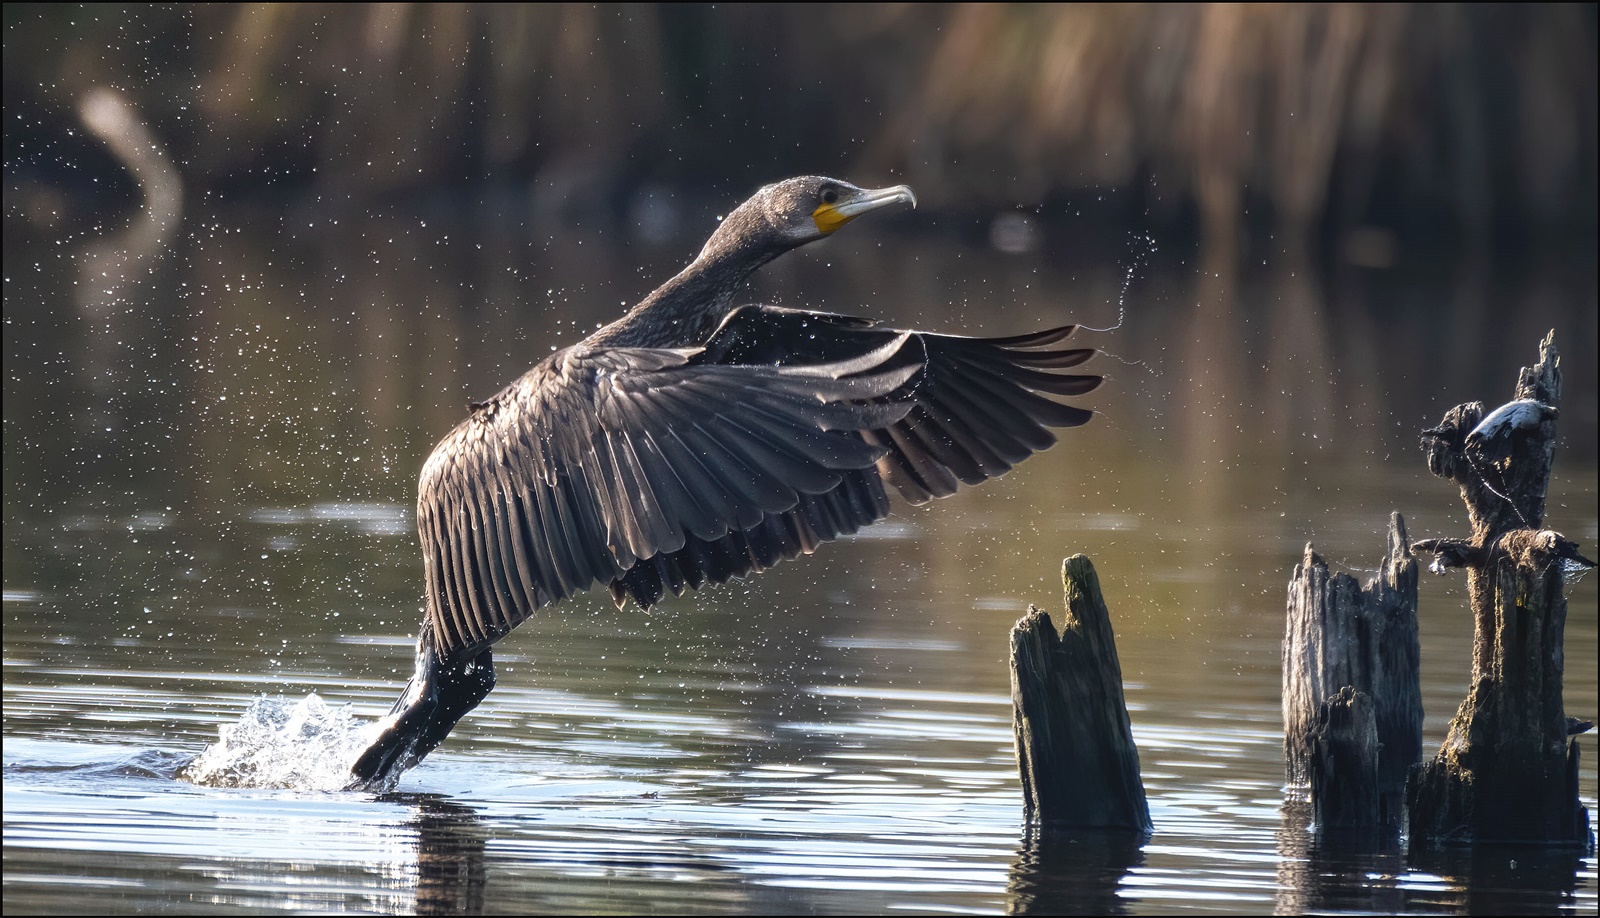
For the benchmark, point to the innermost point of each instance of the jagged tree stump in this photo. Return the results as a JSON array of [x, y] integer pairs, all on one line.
[[1508, 770], [1344, 763], [1080, 767], [1340, 635]]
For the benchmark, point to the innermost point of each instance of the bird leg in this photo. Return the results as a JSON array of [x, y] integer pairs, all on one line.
[[438, 695]]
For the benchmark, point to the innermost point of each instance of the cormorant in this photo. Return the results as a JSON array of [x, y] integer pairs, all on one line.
[[692, 440]]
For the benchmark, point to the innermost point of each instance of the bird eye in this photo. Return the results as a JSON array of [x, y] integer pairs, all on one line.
[[830, 195]]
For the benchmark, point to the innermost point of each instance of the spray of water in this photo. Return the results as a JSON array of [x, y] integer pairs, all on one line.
[[300, 745], [1143, 245]]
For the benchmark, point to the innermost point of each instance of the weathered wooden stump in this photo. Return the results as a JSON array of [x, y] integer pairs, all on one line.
[[1346, 744], [1080, 768], [1344, 762], [1508, 771]]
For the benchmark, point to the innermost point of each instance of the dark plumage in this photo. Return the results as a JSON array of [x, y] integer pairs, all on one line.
[[692, 441]]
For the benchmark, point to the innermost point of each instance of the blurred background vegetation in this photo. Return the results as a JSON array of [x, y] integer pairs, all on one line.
[[1354, 129]]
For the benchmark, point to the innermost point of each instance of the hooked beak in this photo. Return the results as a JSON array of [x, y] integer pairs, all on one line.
[[829, 217]]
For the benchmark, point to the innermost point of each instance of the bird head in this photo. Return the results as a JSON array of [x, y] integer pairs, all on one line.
[[796, 211]]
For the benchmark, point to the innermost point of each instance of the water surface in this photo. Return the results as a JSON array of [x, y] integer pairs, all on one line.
[[208, 477]]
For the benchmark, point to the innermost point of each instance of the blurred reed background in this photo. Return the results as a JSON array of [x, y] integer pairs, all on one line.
[[1354, 128]]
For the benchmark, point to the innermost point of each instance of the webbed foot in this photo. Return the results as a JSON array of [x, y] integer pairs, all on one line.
[[436, 698]]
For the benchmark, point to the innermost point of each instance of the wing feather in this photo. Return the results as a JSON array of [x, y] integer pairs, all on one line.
[[490, 542]]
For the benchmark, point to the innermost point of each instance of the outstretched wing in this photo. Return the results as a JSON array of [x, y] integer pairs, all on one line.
[[655, 470], [976, 408], [973, 412], [598, 459]]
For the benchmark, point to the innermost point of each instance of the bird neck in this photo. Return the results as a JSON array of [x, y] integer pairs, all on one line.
[[684, 311]]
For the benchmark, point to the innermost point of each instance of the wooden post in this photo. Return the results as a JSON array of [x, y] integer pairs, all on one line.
[[1344, 763], [1340, 636], [1080, 768], [1508, 771]]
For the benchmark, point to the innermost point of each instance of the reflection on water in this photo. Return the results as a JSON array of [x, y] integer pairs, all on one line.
[[831, 736], [1355, 871], [1065, 873], [1505, 880], [450, 865]]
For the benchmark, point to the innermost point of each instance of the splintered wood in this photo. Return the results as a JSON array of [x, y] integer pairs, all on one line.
[[1075, 749]]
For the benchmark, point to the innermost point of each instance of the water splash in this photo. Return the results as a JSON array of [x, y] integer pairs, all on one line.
[[1143, 246], [300, 745]]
